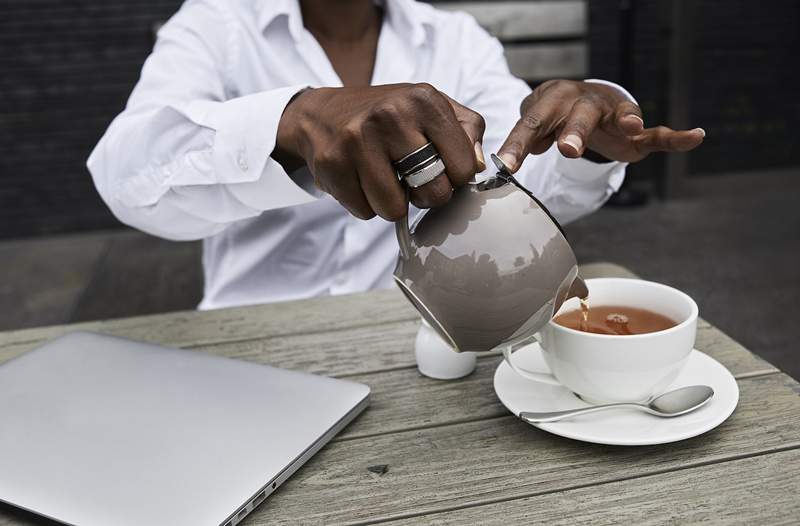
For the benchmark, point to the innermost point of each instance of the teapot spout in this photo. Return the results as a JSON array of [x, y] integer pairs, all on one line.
[[578, 289]]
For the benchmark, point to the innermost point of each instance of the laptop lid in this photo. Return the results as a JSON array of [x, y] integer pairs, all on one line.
[[96, 430]]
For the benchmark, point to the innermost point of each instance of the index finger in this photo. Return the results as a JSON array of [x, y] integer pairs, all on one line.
[[533, 127], [664, 139]]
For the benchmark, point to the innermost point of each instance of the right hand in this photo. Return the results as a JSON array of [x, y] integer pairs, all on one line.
[[348, 138]]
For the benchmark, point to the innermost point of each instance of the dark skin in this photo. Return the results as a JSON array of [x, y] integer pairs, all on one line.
[[349, 136], [348, 34]]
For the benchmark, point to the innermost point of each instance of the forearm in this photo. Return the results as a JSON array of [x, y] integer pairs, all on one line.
[[190, 168]]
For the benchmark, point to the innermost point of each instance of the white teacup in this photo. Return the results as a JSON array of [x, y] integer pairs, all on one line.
[[603, 368]]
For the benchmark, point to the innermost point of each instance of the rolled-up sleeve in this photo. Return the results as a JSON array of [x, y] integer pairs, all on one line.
[[570, 188], [184, 159]]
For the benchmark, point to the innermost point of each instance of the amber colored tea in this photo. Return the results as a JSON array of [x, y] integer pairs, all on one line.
[[614, 320]]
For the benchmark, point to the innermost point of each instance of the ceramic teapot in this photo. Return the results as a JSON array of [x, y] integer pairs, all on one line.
[[490, 268]]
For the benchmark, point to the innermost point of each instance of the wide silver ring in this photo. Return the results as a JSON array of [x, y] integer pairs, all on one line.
[[426, 174]]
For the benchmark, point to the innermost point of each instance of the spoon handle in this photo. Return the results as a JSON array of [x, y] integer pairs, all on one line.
[[538, 418]]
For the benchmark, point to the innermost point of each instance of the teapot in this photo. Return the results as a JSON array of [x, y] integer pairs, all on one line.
[[489, 269]]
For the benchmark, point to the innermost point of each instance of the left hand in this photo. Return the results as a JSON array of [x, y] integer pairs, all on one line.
[[585, 115]]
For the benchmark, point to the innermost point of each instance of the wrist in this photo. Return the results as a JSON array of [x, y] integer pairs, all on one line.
[[288, 151]]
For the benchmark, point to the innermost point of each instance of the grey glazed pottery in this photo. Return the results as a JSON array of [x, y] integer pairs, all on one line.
[[489, 269]]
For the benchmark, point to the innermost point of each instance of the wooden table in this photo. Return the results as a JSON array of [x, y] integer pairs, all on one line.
[[455, 455]]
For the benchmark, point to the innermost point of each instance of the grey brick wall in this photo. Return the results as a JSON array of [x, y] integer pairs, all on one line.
[[67, 66]]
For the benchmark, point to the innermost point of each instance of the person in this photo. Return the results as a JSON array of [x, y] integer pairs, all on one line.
[[268, 129]]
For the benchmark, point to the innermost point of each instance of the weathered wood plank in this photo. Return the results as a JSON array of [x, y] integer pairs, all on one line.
[[548, 61], [241, 323], [387, 346], [526, 20], [349, 350], [467, 464], [403, 399], [444, 442], [192, 328], [756, 490]]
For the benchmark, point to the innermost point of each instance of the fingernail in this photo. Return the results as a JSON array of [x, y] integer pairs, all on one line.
[[510, 160], [575, 142], [479, 156], [701, 130], [633, 115]]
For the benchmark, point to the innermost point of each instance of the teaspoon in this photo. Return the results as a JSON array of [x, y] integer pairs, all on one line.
[[670, 404]]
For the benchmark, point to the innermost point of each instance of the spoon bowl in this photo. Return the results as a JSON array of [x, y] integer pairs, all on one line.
[[681, 401], [667, 405]]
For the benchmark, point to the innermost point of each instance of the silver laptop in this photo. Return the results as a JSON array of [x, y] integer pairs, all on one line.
[[96, 430]]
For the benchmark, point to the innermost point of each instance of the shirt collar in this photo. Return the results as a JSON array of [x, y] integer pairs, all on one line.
[[404, 16]]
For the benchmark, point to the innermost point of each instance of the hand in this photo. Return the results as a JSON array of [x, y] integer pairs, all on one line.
[[586, 115], [348, 138]]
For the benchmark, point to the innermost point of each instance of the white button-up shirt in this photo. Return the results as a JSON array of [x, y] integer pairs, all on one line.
[[189, 157]]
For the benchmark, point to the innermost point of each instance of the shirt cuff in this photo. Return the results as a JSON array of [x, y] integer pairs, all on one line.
[[246, 132], [615, 86]]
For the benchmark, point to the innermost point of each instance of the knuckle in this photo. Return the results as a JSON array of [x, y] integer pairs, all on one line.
[[439, 192], [394, 210], [590, 100], [561, 86], [423, 93], [478, 121], [459, 174], [352, 132], [578, 125], [386, 112], [327, 160], [629, 107], [661, 133], [514, 146], [571, 87], [532, 121], [547, 85]]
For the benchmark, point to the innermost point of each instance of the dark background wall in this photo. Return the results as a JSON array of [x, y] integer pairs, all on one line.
[[744, 75], [67, 66]]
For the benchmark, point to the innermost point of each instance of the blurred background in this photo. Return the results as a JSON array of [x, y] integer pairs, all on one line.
[[721, 223]]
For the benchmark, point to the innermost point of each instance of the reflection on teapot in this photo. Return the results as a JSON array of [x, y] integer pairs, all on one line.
[[489, 269]]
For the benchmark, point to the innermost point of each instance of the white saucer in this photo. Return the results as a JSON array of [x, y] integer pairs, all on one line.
[[623, 427]]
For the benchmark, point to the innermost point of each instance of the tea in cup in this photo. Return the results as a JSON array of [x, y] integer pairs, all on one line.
[[635, 339]]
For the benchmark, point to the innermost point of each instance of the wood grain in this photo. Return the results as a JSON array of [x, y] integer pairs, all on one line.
[[448, 445], [403, 399], [756, 490], [467, 464], [194, 328], [353, 334]]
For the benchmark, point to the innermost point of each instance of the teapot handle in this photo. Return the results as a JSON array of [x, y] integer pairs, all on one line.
[[403, 232]]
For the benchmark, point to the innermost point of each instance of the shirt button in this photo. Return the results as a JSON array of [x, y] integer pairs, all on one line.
[[242, 162]]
